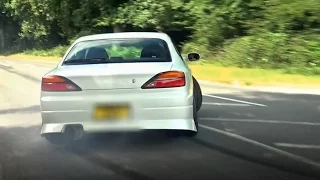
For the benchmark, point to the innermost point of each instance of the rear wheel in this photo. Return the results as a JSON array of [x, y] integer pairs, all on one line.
[[197, 93]]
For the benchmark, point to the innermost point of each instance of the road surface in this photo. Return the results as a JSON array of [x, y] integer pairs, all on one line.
[[243, 135]]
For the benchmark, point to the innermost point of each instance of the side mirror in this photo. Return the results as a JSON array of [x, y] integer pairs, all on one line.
[[193, 57]]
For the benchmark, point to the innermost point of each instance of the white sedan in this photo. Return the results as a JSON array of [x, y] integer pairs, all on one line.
[[120, 82]]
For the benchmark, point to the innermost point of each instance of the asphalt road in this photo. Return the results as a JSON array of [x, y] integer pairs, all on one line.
[[243, 135]]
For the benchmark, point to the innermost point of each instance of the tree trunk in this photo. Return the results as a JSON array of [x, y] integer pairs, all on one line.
[[2, 32], [1, 40], [117, 28]]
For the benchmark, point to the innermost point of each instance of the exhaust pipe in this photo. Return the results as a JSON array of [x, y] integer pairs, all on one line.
[[74, 132]]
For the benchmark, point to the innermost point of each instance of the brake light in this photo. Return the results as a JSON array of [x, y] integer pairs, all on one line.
[[58, 83], [167, 79]]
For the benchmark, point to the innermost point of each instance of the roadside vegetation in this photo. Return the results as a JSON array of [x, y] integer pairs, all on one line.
[[252, 42]]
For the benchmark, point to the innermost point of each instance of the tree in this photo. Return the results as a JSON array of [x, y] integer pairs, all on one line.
[[292, 15], [68, 17], [169, 15]]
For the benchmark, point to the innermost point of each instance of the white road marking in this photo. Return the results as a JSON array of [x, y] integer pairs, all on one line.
[[302, 146], [235, 100], [225, 104], [270, 148], [229, 130], [260, 121]]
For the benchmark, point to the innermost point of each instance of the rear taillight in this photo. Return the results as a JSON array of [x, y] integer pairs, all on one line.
[[58, 83], [167, 79]]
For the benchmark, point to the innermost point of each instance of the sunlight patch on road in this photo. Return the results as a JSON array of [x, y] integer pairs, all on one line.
[[20, 120]]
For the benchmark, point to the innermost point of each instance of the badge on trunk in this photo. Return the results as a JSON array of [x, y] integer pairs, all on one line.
[[133, 80]]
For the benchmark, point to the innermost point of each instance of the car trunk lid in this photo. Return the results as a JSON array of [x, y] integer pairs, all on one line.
[[112, 76]]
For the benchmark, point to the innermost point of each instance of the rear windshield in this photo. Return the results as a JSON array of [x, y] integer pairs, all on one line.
[[118, 51]]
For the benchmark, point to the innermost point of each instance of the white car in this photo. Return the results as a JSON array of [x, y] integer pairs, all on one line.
[[117, 82]]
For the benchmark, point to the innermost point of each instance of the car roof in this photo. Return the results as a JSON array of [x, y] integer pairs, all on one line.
[[158, 35]]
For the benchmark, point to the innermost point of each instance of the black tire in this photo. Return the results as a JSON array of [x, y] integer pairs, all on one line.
[[197, 93]]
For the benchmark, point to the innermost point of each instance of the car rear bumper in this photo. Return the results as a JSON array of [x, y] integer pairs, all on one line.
[[93, 127], [154, 109]]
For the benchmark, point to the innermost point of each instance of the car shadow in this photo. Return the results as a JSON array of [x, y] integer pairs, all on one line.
[[122, 142]]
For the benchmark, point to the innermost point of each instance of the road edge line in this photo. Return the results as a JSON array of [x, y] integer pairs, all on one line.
[[226, 104], [235, 100]]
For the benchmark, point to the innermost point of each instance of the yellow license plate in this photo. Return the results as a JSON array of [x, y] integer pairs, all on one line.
[[111, 112]]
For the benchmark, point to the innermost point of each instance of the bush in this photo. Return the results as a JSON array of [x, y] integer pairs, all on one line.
[[307, 71], [56, 51], [272, 50]]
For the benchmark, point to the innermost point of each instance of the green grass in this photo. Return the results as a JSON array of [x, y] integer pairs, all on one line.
[[53, 54], [228, 75], [57, 51], [252, 77], [32, 57]]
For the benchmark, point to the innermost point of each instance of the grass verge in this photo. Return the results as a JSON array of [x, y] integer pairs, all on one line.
[[31, 57], [228, 75], [253, 77]]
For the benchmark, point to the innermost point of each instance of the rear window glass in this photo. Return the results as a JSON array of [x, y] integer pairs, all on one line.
[[118, 51]]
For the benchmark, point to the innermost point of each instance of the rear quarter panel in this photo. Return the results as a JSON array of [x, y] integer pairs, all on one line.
[[179, 64]]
